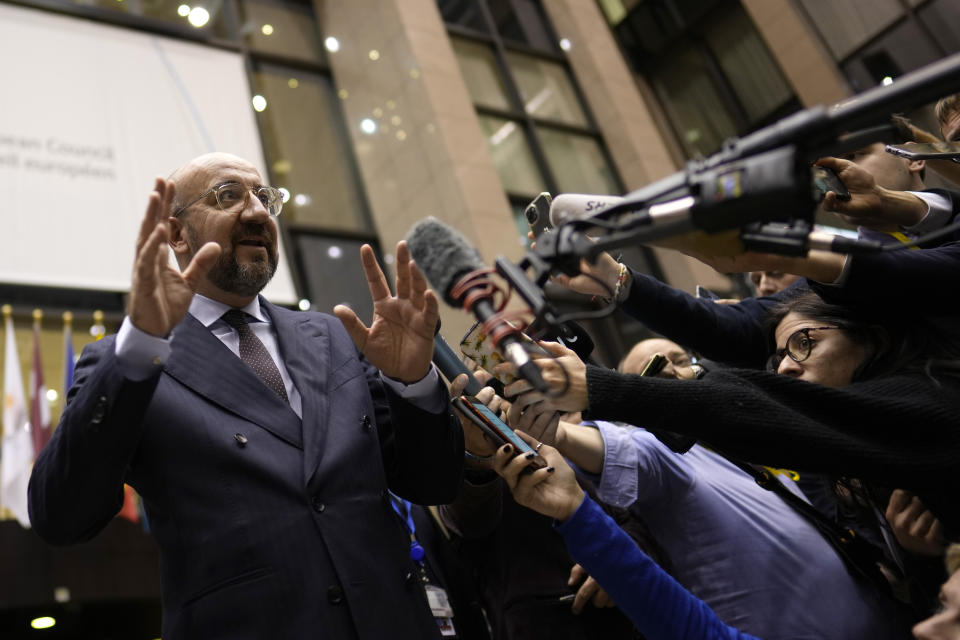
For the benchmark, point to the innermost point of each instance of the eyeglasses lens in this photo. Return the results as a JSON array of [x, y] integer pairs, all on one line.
[[232, 198]]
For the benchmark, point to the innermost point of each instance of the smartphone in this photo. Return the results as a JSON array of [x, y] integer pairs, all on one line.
[[927, 151], [676, 442], [824, 180], [501, 433], [478, 346], [655, 365], [538, 214], [706, 294]]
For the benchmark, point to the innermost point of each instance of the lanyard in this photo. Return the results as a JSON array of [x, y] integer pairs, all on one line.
[[416, 550]]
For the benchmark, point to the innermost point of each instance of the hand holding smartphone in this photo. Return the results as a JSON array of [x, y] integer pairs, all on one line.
[[498, 430], [825, 180]]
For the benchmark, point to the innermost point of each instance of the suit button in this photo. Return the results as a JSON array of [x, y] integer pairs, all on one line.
[[317, 505], [334, 594], [366, 421], [99, 410], [241, 439]]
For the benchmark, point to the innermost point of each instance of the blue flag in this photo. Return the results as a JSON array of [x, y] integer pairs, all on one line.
[[69, 357]]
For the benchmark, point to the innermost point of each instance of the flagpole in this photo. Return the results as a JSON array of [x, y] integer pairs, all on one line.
[[16, 457]]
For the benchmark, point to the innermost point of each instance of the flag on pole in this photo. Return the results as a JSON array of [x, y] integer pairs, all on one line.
[[39, 409], [17, 455], [69, 357]]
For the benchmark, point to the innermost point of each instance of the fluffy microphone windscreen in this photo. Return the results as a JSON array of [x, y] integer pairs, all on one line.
[[442, 254]]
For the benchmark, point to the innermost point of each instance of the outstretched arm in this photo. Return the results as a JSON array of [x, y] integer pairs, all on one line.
[[658, 605]]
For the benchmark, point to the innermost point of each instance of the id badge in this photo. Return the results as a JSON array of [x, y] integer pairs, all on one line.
[[439, 603], [442, 612]]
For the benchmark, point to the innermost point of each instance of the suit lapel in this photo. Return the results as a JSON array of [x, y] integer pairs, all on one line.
[[305, 347], [200, 361]]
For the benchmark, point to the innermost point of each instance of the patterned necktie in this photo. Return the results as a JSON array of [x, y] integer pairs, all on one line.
[[255, 354]]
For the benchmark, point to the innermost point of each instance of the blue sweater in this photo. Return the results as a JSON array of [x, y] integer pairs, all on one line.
[[655, 602]]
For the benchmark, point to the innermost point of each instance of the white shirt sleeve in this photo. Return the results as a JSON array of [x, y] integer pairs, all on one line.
[[422, 393], [139, 354]]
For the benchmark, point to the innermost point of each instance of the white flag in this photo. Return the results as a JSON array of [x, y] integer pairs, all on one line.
[[17, 455]]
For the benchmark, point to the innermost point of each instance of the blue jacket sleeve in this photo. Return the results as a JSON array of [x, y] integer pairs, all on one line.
[[77, 482], [730, 333], [917, 282], [656, 603]]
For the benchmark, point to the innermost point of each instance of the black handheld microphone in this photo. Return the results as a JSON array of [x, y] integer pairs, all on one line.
[[445, 258], [451, 366]]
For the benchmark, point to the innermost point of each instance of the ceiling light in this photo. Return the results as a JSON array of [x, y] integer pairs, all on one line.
[[198, 17]]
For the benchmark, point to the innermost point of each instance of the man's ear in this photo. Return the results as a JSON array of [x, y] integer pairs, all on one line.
[[916, 166], [178, 238]]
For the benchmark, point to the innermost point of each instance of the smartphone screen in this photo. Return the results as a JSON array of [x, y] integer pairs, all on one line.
[[825, 179], [503, 429]]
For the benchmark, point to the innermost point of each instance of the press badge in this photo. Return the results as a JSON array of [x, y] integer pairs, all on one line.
[[440, 607]]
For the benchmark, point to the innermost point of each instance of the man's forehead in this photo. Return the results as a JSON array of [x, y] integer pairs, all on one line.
[[216, 168]]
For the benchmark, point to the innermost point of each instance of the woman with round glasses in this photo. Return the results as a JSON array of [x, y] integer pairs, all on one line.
[[850, 396]]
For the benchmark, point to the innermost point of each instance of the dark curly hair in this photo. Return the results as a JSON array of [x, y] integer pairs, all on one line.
[[892, 343]]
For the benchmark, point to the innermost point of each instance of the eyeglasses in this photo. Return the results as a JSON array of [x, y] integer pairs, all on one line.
[[232, 197], [799, 346]]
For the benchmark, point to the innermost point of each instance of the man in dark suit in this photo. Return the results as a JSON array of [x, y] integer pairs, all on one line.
[[262, 441]]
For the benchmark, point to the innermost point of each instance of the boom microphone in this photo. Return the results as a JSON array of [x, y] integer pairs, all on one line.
[[577, 206], [445, 258], [769, 238], [581, 206]]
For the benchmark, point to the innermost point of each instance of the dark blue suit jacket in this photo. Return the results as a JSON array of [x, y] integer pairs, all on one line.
[[268, 526]]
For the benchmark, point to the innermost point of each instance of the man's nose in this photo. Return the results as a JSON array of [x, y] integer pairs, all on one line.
[[255, 210]]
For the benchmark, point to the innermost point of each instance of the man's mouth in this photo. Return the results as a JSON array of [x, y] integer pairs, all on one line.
[[254, 242]]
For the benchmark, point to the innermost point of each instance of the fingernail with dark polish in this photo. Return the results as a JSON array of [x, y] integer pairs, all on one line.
[[551, 469], [507, 448], [530, 455]]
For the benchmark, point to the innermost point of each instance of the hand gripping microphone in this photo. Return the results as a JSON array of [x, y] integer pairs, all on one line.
[[449, 264]]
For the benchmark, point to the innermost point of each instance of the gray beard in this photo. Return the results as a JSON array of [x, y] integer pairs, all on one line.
[[229, 275], [242, 279]]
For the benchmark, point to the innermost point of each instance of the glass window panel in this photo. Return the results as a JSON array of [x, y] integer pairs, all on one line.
[[614, 11], [465, 14], [748, 65], [332, 274], [847, 25], [520, 219], [942, 17], [512, 156], [903, 49], [546, 89], [207, 17], [307, 149], [481, 74], [649, 27], [692, 103], [577, 162], [285, 29], [522, 21]]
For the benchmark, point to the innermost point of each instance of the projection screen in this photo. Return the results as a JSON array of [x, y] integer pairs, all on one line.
[[89, 115]]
